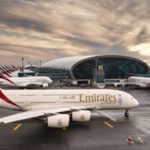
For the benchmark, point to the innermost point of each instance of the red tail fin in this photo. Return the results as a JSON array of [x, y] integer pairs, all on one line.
[[5, 78], [7, 73], [6, 99]]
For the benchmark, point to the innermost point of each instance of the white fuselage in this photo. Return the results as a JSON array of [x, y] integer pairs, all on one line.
[[25, 81], [45, 99], [139, 81]]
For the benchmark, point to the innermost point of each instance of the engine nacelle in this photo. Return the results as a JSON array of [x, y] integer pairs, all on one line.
[[82, 115], [45, 85], [58, 121]]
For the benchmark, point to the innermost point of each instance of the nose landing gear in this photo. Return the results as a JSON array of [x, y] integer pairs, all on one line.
[[126, 114]]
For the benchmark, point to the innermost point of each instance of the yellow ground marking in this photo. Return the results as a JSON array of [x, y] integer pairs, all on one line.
[[17, 127], [108, 124], [64, 129]]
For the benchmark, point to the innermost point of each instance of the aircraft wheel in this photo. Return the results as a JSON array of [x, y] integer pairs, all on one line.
[[126, 114]]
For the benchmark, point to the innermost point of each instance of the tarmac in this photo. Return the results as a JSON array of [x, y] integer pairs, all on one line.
[[98, 134]]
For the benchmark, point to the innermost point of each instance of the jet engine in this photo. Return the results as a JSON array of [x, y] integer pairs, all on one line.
[[82, 115], [58, 121], [45, 85]]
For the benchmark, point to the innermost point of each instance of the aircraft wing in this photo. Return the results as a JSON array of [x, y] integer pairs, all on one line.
[[38, 113], [31, 114], [28, 84], [34, 84]]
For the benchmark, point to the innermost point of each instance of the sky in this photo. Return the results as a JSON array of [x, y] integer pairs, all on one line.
[[50, 29]]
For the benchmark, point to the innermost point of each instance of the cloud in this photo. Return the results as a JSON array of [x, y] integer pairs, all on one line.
[[48, 29]]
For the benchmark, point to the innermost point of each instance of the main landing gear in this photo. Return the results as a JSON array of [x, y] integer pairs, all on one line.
[[126, 114]]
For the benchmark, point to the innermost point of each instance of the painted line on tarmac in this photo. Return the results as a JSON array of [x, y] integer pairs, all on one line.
[[108, 124], [17, 127]]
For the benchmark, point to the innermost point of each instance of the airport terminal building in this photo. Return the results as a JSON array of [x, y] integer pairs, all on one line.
[[81, 68]]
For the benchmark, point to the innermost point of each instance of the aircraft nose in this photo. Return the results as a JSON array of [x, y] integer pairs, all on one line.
[[135, 103]]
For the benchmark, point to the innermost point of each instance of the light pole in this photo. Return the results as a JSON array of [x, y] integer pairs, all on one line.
[[22, 64]]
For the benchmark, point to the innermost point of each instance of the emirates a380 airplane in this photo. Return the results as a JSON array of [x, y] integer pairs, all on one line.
[[142, 82], [25, 82], [58, 107]]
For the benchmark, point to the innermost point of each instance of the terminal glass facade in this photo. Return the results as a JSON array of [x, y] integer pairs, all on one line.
[[114, 68], [54, 74], [84, 70]]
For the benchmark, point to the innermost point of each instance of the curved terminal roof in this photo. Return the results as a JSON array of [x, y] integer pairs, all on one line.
[[65, 63], [68, 63]]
